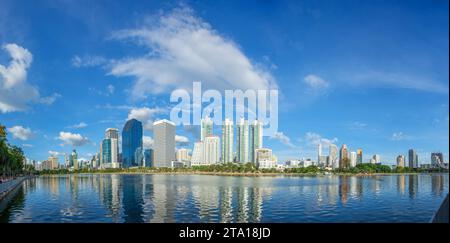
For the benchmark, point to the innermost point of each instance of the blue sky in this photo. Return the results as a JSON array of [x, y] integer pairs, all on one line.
[[368, 74]]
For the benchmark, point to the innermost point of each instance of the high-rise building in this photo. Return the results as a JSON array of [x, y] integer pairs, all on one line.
[[148, 158], [164, 143], [343, 157], [106, 152], [197, 154], [206, 128], [242, 141], [112, 133], [131, 140], [437, 158], [256, 139], [211, 149], [333, 157], [227, 141], [53, 162], [74, 159], [353, 159], [265, 159], [413, 159], [400, 161], [359, 156], [376, 159], [182, 155]]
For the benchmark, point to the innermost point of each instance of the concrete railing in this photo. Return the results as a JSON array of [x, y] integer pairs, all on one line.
[[441, 216], [6, 187]]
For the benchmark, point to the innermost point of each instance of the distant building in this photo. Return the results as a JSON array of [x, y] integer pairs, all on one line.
[[206, 128], [182, 155], [413, 159], [164, 143], [344, 161], [353, 159], [265, 159], [53, 162], [211, 150], [322, 160], [131, 140], [74, 159], [139, 156], [376, 159], [333, 157], [400, 161], [359, 156], [227, 141], [255, 140], [437, 158], [292, 163], [148, 158], [197, 154], [242, 141]]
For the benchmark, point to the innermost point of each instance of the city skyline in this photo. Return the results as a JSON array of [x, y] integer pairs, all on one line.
[[386, 96]]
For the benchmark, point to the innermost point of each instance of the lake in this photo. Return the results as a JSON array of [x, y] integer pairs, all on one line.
[[208, 198]]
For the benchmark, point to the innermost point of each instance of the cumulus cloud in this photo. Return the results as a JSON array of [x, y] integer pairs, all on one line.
[[73, 139], [88, 61], [280, 136], [315, 139], [183, 48], [181, 140], [147, 141], [398, 136], [19, 132], [110, 89], [15, 92], [79, 125], [145, 115], [357, 125], [315, 84], [55, 153]]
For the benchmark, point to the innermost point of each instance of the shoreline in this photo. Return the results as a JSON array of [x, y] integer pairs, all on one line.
[[240, 174]]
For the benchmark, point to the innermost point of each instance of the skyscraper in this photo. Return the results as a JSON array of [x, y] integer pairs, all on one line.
[[211, 149], [436, 159], [343, 157], [206, 128], [333, 157], [148, 158], [164, 143], [74, 159], [353, 159], [227, 141], [400, 161], [197, 154], [112, 133], [131, 140], [359, 156], [242, 141], [412, 159], [256, 139]]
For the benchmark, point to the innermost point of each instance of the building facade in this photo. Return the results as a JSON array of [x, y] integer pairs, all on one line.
[[164, 143], [242, 141], [211, 150], [400, 161], [227, 141], [131, 141], [413, 159], [256, 139]]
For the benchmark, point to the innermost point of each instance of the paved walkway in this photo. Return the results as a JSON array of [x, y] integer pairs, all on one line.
[[6, 187], [441, 215]]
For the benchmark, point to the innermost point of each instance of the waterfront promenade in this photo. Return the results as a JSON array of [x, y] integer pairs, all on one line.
[[8, 186]]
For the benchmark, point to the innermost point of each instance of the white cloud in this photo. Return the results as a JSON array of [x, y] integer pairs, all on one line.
[[314, 139], [55, 153], [182, 48], [368, 77], [110, 89], [20, 132], [315, 82], [88, 61], [26, 145], [15, 92], [79, 125], [73, 139], [147, 141], [357, 125], [181, 140], [49, 99], [145, 115], [398, 136], [280, 136]]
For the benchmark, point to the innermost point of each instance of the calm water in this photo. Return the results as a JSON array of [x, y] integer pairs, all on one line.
[[204, 198]]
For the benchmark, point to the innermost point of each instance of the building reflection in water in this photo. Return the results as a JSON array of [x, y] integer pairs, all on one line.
[[437, 184], [132, 199], [401, 184], [343, 189], [413, 186]]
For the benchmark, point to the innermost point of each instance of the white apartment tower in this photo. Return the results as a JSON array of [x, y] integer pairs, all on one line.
[[227, 141], [242, 141], [164, 143]]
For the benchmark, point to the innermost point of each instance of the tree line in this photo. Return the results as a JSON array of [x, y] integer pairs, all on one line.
[[11, 157]]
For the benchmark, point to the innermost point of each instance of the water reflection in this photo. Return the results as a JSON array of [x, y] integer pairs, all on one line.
[[186, 198]]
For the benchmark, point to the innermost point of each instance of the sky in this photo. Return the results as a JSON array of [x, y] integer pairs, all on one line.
[[368, 74]]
